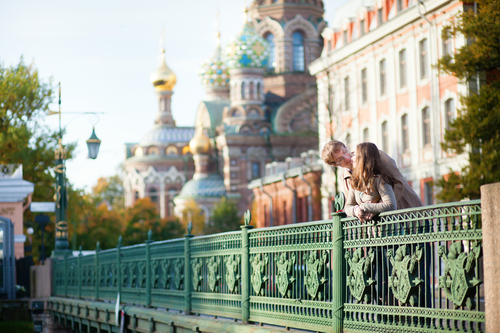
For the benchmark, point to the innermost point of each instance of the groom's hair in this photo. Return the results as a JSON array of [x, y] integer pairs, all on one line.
[[330, 148]]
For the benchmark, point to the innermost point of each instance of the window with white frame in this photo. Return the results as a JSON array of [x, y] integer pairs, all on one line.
[[399, 4], [243, 90], [402, 68], [382, 77], [364, 86], [449, 109], [362, 27], [448, 47], [380, 16], [366, 135], [405, 133], [346, 93], [385, 136], [426, 126], [348, 140], [344, 37], [424, 63]]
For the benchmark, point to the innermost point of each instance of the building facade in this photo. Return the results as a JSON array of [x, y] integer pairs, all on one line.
[[376, 82]]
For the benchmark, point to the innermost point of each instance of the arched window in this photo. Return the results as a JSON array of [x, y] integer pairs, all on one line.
[[272, 62], [153, 195], [243, 90], [258, 90], [298, 51], [136, 196], [251, 90], [366, 135]]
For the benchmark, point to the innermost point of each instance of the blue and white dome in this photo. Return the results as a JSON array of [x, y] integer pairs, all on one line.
[[209, 186], [247, 50], [214, 71], [164, 134]]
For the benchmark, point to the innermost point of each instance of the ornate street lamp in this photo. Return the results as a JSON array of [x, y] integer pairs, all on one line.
[[93, 144]]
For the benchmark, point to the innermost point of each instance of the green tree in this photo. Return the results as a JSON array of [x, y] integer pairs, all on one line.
[[476, 130], [109, 190], [142, 217], [24, 101], [224, 217]]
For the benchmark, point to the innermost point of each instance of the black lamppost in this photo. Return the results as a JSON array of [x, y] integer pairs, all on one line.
[[61, 248]]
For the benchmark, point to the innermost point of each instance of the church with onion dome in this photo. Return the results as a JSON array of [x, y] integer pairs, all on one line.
[[260, 107]]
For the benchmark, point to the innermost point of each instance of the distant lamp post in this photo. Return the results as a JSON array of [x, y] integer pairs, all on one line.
[[93, 144], [62, 248]]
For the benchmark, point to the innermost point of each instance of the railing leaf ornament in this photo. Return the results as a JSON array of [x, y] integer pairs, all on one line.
[[133, 277], [247, 217], [165, 269], [232, 264], [142, 274], [115, 274], [404, 279], [213, 270], [154, 273], [284, 279], [315, 279], [124, 281], [359, 279], [258, 278], [196, 269], [178, 273], [339, 202], [459, 279]]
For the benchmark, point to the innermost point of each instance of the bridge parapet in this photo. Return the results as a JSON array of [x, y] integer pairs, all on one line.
[[417, 268]]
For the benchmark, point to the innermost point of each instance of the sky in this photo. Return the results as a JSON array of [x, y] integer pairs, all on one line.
[[103, 52]]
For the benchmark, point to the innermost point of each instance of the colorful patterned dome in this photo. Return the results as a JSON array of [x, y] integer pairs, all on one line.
[[247, 50], [214, 72], [210, 186]]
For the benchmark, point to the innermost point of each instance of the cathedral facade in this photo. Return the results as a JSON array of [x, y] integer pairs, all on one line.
[[260, 107]]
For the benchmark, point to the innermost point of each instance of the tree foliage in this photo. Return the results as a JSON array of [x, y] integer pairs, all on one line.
[[193, 213], [476, 130], [224, 217]]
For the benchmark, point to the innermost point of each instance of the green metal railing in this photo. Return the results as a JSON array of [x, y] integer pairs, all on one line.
[[416, 270]]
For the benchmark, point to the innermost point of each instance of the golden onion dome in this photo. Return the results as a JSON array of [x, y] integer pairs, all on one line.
[[200, 143], [163, 78]]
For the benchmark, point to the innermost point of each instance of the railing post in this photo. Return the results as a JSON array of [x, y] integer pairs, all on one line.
[[97, 277], [80, 273], [187, 270], [245, 269], [338, 269], [148, 270], [65, 274], [118, 265]]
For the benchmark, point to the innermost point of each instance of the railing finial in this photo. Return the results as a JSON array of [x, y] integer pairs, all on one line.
[[98, 247], [120, 240], [248, 217], [150, 235], [190, 227], [80, 248]]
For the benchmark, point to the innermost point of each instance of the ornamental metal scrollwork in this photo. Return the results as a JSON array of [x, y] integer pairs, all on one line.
[[213, 270], [284, 279], [154, 273], [108, 275], [114, 271], [142, 274], [359, 279], [179, 273], [165, 269], [123, 268], [197, 277], [133, 276], [459, 279], [232, 264], [404, 280], [102, 275], [258, 278], [315, 279]]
